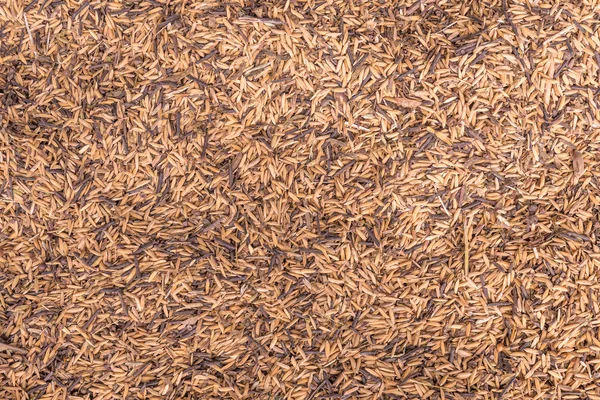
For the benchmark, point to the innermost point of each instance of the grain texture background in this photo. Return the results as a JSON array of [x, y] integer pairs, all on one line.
[[299, 199]]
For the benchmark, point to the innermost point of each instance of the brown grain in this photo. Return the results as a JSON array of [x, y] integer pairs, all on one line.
[[299, 199]]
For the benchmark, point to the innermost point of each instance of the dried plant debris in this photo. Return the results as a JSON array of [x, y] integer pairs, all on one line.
[[299, 199], [578, 165]]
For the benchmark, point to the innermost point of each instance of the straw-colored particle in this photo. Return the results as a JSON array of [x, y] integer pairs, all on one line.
[[299, 199]]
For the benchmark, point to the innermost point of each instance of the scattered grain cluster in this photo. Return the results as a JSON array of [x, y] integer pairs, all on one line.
[[299, 199]]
